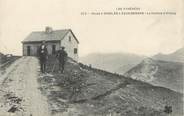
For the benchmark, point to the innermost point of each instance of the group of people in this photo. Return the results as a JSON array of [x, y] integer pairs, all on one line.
[[61, 55]]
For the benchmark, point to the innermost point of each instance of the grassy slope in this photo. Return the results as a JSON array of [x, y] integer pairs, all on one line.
[[6, 62], [85, 91]]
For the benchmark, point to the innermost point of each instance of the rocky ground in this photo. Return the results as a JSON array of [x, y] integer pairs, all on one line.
[[79, 91]]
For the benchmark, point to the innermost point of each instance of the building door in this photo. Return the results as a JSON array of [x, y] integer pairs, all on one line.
[[37, 50], [28, 50], [53, 49]]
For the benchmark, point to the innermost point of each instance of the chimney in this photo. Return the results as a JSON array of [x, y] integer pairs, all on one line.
[[48, 29]]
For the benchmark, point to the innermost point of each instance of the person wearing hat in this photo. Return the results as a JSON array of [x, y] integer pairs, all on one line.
[[43, 56], [62, 57]]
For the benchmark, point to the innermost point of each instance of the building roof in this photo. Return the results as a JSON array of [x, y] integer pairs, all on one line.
[[55, 35]]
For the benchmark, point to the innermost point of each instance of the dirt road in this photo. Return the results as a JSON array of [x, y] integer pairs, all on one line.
[[20, 94]]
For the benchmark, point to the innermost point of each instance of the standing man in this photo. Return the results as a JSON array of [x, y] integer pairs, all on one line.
[[43, 56], [62, 58]]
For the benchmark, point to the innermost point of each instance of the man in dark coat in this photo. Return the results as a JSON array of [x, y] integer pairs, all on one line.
[[43, 56], [62, 58]]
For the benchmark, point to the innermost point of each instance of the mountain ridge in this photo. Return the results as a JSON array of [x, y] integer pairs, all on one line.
[[113, 62], [157, 72], [177, 56]]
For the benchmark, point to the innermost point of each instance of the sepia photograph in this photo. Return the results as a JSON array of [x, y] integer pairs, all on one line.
[[91, 58]]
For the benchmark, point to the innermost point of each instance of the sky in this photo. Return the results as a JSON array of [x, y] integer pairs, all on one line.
[[143, 35]]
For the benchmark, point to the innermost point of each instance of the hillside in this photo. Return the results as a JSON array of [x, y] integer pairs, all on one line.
[[161, 73], [114, 62], [1, 58], [177, 56], [85, 91]]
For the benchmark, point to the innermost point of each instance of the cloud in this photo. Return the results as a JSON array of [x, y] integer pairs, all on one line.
[[137, 34]]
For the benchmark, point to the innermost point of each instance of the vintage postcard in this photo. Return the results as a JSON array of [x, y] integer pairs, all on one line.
[[91, 57]]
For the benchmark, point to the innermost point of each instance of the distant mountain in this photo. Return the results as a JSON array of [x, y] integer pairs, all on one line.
[[161, 73], [177, 56], [112, 62]]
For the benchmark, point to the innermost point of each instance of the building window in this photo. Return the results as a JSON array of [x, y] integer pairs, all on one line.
[[75, 51], [69, 38]]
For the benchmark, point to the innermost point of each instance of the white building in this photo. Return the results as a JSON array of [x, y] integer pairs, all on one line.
[[54, 40]]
